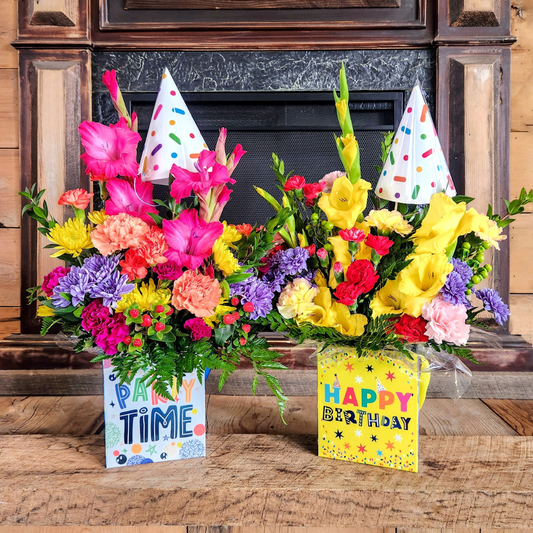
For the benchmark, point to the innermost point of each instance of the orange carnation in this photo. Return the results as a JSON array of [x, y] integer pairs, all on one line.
[[244, 229], [119, 232], [154, 246], [197, 293], [134, 265], [78, 198]]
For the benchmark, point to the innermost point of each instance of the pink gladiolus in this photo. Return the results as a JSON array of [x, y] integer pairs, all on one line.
[[209, 175], [190, 239], [124, 198], [233, 160], [109, 79], [110, 150], [213, 203]]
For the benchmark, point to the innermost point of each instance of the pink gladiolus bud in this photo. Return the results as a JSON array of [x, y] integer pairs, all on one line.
[[322, 253]]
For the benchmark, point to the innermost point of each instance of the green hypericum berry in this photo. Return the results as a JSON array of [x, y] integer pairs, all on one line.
[[475, 280], [485, 245], [328, 247], [488, 268], [314, 216], [324, 222], [308, 227], [329, 226], [466, 245], [484, 274], [480, 257], [469, 292]]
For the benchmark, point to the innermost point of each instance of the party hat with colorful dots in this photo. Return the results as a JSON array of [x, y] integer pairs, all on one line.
[[415, 167], [173, 136]]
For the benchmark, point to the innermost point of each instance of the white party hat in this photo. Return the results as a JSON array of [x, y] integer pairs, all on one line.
[[173, 136], [415, 167]]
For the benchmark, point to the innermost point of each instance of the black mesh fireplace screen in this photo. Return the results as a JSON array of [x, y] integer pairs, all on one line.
[[299, 127]]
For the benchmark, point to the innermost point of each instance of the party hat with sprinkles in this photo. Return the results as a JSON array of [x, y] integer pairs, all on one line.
[[415, 167], [173, 136]]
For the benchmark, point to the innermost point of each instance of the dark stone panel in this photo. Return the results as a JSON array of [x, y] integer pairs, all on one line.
[[367, 70]]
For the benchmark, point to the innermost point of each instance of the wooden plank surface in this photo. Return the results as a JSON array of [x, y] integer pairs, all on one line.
[[8, 33], [9, 108], [10, 204], [9, 321], [521, 273], [9, 264], [517, 413], [521, 321], [66, 382], [464, 482]]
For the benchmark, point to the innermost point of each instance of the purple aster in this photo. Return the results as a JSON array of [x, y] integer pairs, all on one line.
[[454, 290], [293, 261], [493, 303], [461, 268], [112, 288], [275, 279], [100, 267], [257, 292], [77, 283]]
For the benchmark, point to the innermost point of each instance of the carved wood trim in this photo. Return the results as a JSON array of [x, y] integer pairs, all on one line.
[[256, 4], [55, 96], [56, 22], [473, 94]]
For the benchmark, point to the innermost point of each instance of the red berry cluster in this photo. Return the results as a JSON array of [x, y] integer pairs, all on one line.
[[230, 318]]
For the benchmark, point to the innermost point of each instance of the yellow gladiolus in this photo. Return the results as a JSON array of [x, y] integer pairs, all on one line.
[[388, 300], [321, 312], [350, 150], [345, 202], [388, 221], [423, 279], [346, 323], [444, 223], [342, 108]]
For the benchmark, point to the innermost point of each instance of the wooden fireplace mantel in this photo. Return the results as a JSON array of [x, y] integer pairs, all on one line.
[[56, 38]]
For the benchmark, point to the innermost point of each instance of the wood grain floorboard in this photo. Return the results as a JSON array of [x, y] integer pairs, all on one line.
[[517, 413]]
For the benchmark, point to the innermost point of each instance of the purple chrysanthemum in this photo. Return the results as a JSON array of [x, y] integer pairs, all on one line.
[[293, 261], [493, 303], [461, 268], [100, 267], [112, 289], [77, 283], [257, 292], [454, 290]]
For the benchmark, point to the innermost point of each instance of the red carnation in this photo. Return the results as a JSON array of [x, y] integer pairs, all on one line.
[[311, 249], [296, 182], [312, 190], [380, 245], [352, 235], [411, 329], [360, 279]]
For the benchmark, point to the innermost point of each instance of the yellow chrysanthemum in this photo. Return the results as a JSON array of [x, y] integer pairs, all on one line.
[[230, 234], [44, 310], [345, 202], [220, 310], [422, 279], [224, 259], [388, 221], [97, 217], [144, 295], [71, 238]]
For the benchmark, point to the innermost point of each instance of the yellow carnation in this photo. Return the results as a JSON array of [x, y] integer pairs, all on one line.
[[224, 259], [444, 223], [145, 295], [71, 238], [345, 202], [296, 298], [388, 221], [487, 230], [97, 217], [422, 279]]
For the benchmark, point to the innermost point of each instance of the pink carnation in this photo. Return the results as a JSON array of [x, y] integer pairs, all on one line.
[[330, 178], [169, 270], [352, 235], [95, 317], [198, 328], [119, 232], [51, 280], [154, 246], [446, 322], [78, 198], [109, 338]]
